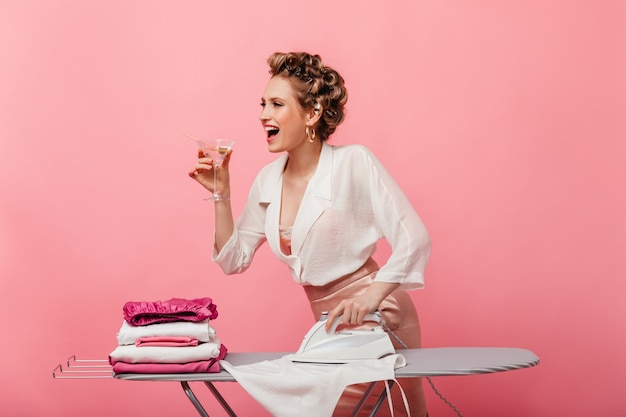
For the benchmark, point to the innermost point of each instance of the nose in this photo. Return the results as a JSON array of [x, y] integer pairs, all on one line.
[[265, 114]]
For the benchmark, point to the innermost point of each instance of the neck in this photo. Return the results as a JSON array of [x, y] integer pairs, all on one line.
[[302, 162]]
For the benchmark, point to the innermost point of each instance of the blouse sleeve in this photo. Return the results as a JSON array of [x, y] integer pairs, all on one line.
[[401, 226], [249, 233]]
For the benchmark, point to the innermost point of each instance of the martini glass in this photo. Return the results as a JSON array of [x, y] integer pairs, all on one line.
[[216, 149]]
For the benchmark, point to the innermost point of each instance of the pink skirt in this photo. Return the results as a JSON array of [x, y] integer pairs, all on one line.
[[401, 318]]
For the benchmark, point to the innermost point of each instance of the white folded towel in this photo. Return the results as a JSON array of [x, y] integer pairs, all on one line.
[[202, 331], [163, 354]]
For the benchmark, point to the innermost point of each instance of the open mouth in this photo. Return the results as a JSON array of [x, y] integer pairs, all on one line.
[[271, 131]]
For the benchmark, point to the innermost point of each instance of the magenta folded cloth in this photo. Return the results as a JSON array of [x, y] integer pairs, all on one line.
[[141, 313], [210, 366]]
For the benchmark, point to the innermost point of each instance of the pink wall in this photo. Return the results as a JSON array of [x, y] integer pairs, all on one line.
[[504, 122]]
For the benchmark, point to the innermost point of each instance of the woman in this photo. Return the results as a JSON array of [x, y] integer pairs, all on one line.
[[322, 208]]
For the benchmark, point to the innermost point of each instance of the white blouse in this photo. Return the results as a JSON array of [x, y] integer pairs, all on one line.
[[350, 203]]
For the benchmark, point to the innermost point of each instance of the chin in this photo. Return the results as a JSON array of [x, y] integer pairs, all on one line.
[[273, 148]]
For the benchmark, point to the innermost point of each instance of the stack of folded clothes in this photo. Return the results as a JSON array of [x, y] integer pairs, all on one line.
[[164, 337]]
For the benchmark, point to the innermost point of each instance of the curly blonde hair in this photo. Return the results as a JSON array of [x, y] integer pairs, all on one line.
[[315, 85]]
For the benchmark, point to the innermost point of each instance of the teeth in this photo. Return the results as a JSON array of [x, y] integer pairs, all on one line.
[[271, 131]]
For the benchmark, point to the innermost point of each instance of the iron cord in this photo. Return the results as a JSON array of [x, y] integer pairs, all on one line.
[[430, 382]]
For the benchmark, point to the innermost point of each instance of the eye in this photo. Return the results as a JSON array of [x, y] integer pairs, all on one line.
[[277, 104]]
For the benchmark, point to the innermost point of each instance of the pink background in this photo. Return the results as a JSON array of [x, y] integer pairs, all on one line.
[[504, 122]]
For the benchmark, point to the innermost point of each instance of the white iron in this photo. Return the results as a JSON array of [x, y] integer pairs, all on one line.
[[346, 345]]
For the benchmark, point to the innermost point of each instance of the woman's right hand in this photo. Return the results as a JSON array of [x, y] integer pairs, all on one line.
[[203, 173]]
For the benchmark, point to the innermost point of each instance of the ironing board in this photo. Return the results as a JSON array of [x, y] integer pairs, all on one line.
[[425, 362]]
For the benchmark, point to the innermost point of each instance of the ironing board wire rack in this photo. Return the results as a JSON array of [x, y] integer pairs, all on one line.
[[83, 369]]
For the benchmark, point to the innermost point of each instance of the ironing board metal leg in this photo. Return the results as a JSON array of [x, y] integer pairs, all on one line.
[[220, 399], [364, 397], [194, 400], [381, 399]]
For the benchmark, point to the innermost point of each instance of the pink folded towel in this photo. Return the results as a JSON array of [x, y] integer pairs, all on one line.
[[209, 365], [170, 341], [141, 313]]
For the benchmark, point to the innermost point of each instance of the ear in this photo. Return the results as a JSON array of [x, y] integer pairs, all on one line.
[[314, 115]]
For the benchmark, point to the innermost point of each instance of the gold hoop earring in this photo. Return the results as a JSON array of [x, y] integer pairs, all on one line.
[[310, 133]]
